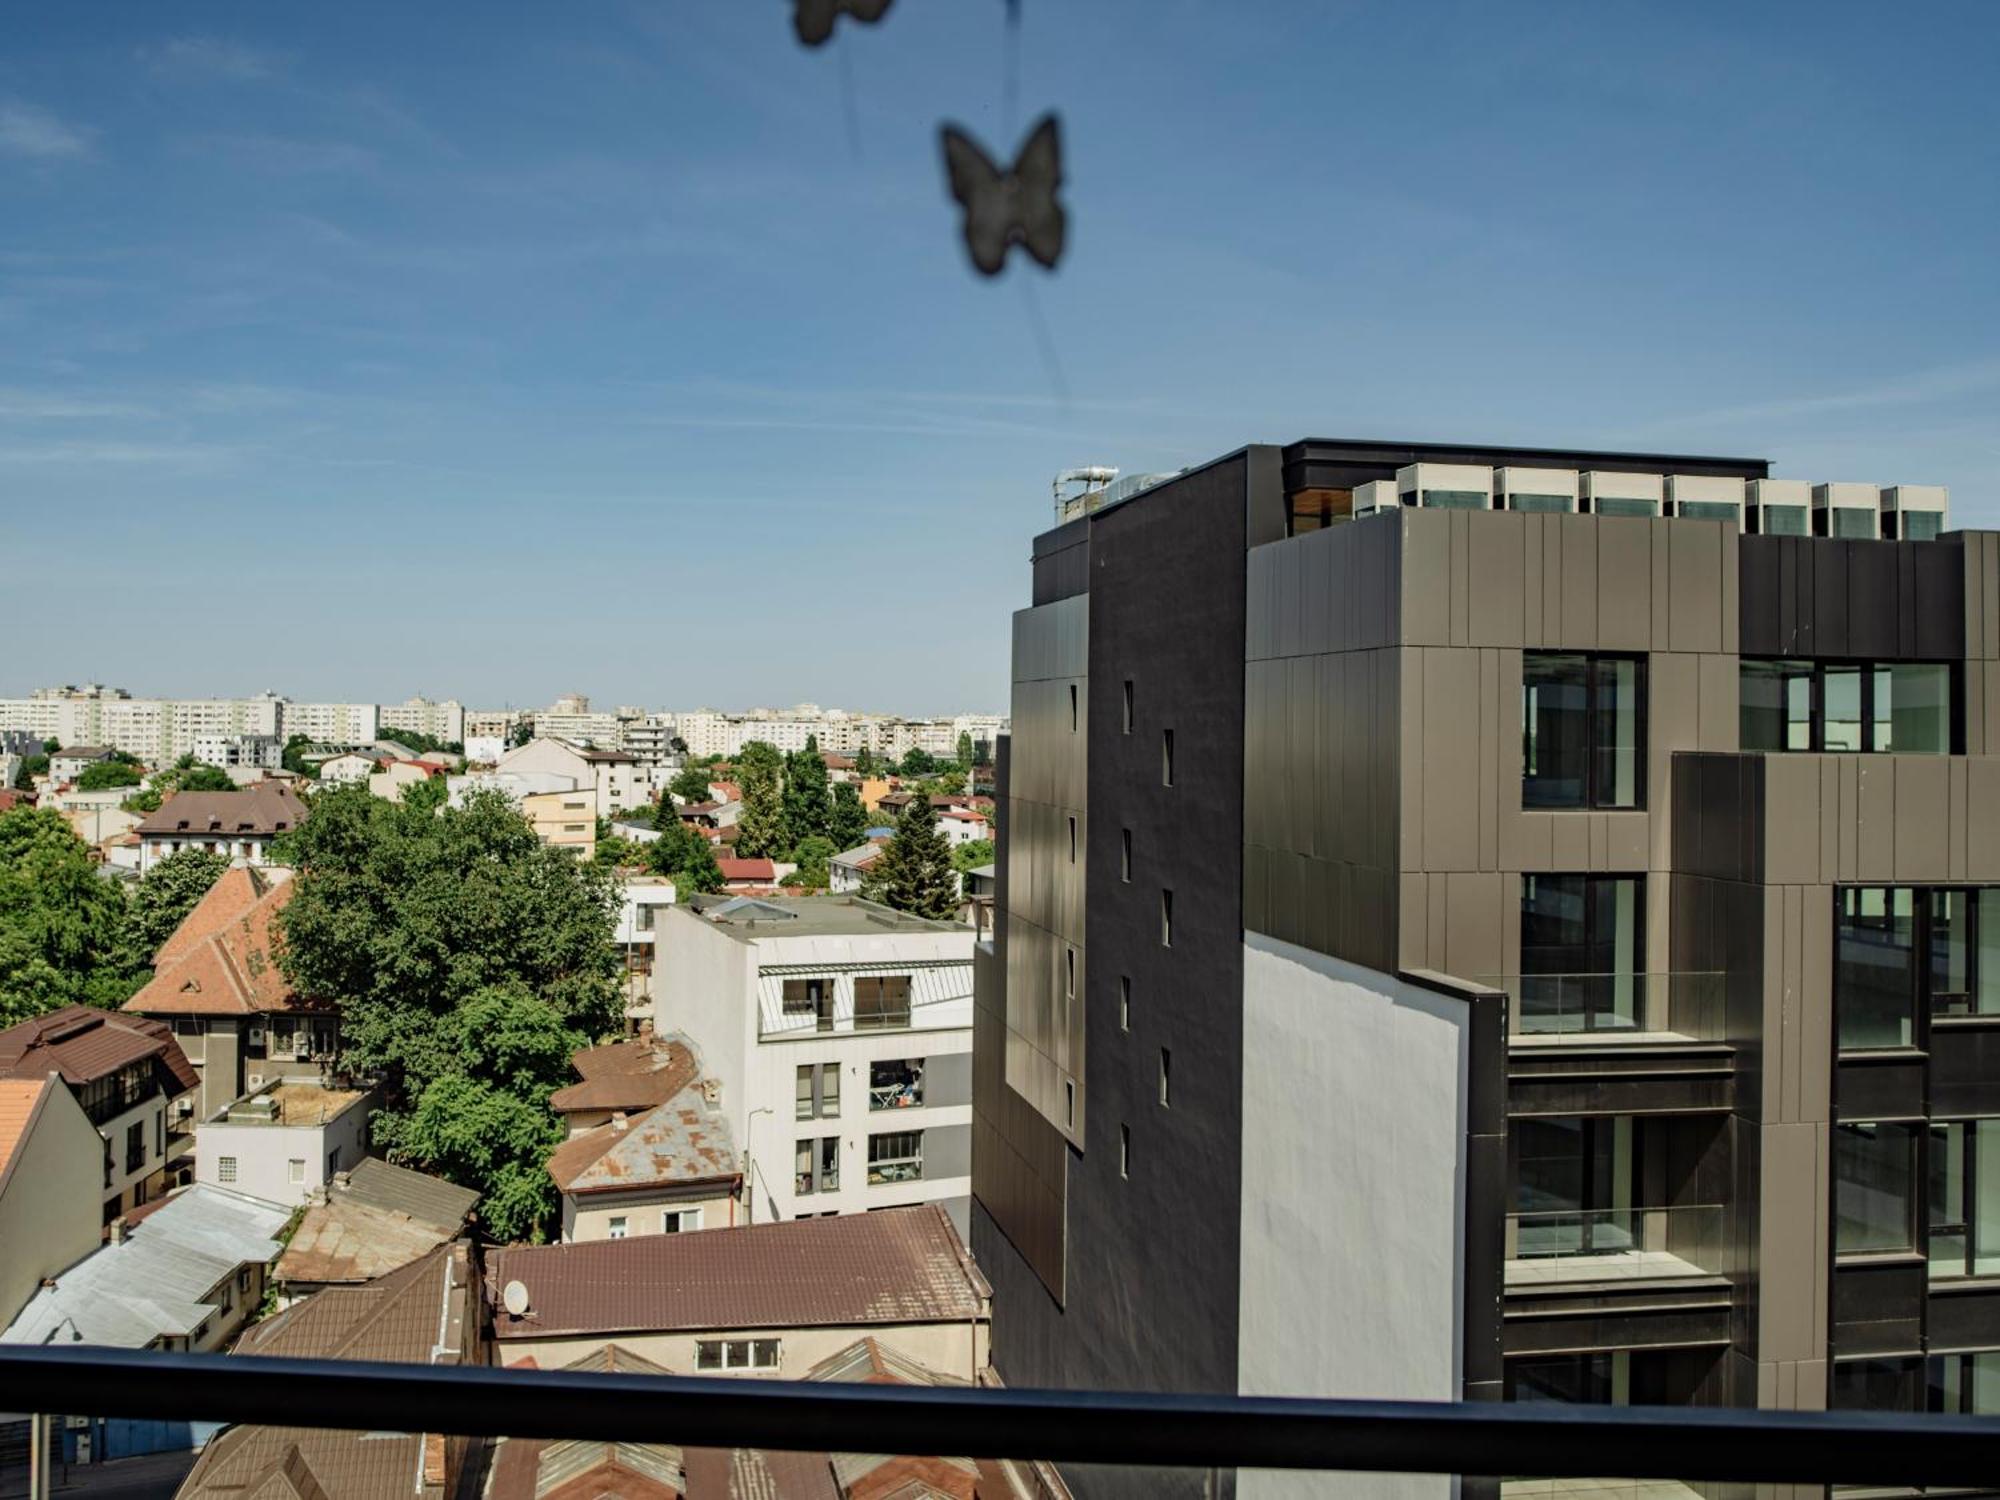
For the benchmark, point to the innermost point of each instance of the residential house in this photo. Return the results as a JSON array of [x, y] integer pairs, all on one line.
[[99, 826], [367, 1222], [710, 815], [346, 768], [184, 1275], [848, 1021], [769, 1300], [129, 1074], [612, 777], [284, 1142], [848, 871], [626, 1078], [961, 825], [50, 1157], [67, 798], [751, 874], [10, 769], [238, 824], [217, 981], [536, 1469], [668, 1169], [70, 762], [564, 820], [231, 752], [423, 1314], [642, 900], [393, 776]]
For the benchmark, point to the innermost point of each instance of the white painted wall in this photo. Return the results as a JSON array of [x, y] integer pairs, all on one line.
[[1354, 1120], [264, 1152]]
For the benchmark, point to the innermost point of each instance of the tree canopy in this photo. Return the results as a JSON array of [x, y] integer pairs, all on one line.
[[847, 822], [814, 855], [806, 798], [684, 856], [690, 783], [914, 873], [103, 774], [185, 775], [761, 828], [971, 854], [63, 936], [163, 899], [469, 962]]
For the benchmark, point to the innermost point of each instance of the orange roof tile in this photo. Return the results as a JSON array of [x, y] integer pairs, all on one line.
[[18, 1097], [231, 968], [239, 888]]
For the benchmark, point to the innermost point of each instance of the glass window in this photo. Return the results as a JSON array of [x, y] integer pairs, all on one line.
[[1573, 1186], [1875, 967], [1786, 520], [1965, 1384], [1965, 952], [829, 1090], [896, 1083], [881, 1001], [1600, 1379], [1776, 705], [1876, 1384], [616, 1229], [802, 1168], [1920, 525], [1707, 510], [1543, 504], [803, 1099], [1583, 948], [1840, 691], [1457, 500], [810, 997], [1965, 1198], [1582, 730], [1912, 710], [829, 1163], [1874, 1184], [897, 1156], [1853, 522], [1620, 505]]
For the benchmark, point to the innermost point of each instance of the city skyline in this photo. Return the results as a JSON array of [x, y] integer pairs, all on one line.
[[605, 339]]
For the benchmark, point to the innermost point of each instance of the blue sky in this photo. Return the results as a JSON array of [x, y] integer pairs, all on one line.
[[503, 350]]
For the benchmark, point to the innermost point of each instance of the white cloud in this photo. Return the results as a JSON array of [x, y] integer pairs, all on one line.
[[216, 57], [26, 130]]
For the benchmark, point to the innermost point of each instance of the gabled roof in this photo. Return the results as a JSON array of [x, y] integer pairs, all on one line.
[[380, 1219], [747, 869], [901, 1265], [394, 1318], [671, 1145], [859, 858], [153, 1284], [417, 1195], [223, 958], [262, 810], [84, 1044]]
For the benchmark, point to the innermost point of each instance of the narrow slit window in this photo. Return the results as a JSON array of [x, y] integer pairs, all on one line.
[[1072, 840], [1166, 757], [1069, 973], [1128, 705], [1124, 1150], [1166, 919], [1166, 1077], [1072, 708], [1125, 855], [1124, 1002], [1069, 1103]]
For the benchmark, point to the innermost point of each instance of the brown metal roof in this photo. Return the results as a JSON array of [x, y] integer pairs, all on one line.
[[85, 1044], [671, 1145], [380, 1219], [418, 1195], [901, 1265], [627, 1075], [268, 807]]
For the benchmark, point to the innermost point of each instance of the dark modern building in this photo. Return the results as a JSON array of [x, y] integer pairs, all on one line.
[[1498, 924]]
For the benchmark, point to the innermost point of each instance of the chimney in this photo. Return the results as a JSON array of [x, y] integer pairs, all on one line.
[[711, 1092], [117, 1232], [618, 1119]]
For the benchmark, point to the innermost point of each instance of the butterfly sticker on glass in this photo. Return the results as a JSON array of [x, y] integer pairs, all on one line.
[[814, 18], [1015, 206]]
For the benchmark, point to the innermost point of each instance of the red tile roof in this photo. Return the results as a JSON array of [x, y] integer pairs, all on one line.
[[85, 1044], [901, 1265], [18, 1098], [223, 959], [748, 869]]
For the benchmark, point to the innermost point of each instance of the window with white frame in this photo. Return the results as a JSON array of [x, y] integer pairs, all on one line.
[[736, 1354], [680, 1220], [615, 1230], [295, 1170]]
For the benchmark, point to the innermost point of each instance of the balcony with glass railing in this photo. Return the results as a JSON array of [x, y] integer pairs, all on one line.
[[1610, 1007], [1559, 1246]]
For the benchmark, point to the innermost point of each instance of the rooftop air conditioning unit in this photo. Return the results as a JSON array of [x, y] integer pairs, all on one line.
[[1705, 497], [1779, 507], [1853, 511], [1610, 493], [1446, 486], [1374, 497], [1914, 512], [1546, 490]]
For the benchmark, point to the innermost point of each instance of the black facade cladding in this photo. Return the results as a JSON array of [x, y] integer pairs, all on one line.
[[1864, 600], [1151, 1261]]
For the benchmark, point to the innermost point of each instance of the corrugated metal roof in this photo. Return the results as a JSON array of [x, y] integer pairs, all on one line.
[[428, 1200], [679, 1142], [901, 1265], [126, 1295]]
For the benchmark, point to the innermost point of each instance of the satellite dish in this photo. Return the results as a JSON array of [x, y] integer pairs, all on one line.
[[514, 1297]]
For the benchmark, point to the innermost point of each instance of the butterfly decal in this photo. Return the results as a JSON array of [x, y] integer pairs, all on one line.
[[1013, 207], [814, 18]]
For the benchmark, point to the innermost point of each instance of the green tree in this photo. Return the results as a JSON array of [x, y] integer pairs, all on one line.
[[63, 933], [685, 857], [49, 747], [813, 856], [294, 757], [520, 734], [468, 961], [919, 762], [971, 854], [31, 767], [104, 774], [847, 823], [964, 750], [806, 809], [163, 899], [185, 775], [914, 873], [864, 762], [690, 783], [761, 828]]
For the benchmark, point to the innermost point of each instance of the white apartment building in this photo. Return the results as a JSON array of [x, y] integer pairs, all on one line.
[[230, 751], [841, 1033], [612, 776], [334, 723], [441, 721], [709, 731], [70, 715]]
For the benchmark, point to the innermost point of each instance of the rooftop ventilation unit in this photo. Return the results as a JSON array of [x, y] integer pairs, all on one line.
[[1375, 496], [1705, 497], [1077, 491], [1853, 511], [1914, 512], [1544, 490], [1610, 493], [1446, 486], [1779, 507]]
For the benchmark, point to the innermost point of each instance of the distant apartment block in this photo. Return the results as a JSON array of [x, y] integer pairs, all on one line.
[[334, 723], [444, 722], [1532, 902], [840, 1033]]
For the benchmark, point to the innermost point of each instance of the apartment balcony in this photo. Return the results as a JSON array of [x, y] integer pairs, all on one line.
[[1611, 1043], [1566, 1247]]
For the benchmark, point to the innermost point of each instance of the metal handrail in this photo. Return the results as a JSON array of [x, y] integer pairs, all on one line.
[[1198, 1431]]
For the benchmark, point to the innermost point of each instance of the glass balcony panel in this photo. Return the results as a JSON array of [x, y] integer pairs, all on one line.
[[1605, 1006], [1613, 1244]]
